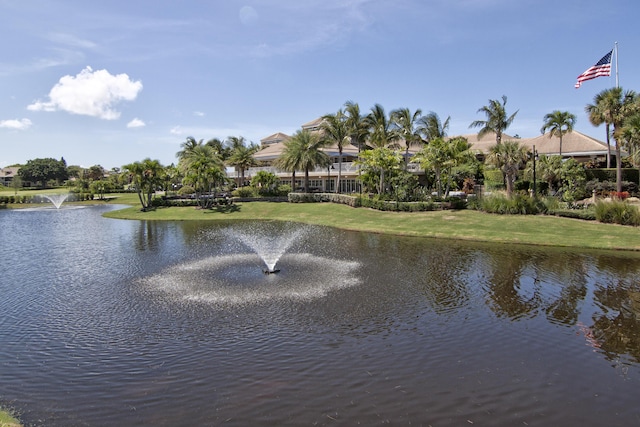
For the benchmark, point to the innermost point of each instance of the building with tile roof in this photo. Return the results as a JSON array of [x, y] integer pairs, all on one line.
[[574, 145]]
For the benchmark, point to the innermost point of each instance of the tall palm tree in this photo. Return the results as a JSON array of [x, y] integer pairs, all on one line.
[[509, 157], [612, 107], [335, 131], [358, 128], [187, 146], [289, 159], [430, 127], [203, 169], [381, 133], [496, 121], [241, 156], [558, 123], [304, 151], [601, 112], [219, 147], [406, 124]]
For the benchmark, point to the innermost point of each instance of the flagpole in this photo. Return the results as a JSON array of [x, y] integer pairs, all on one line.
[[616, 52]]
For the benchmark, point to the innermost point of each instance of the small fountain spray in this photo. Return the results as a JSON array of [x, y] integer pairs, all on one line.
[[56, 199], [230, 277], [269, 248]]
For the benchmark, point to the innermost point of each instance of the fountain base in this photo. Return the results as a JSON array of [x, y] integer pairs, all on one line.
[[271, 271]]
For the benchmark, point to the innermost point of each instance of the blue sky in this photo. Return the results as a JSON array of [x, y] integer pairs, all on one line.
[[116, 81]]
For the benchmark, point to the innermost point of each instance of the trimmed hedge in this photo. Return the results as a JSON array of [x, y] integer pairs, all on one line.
[[602, 175], [585, 214], [343, 199], [373, 203]]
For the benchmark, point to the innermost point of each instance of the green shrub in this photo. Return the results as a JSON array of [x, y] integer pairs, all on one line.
[[584, 214], [245, 192], [322, 197], [617, 212], [284, 190], [457, 203], [610, 174], [385, 205], [186, 190], [550, 203], [518, 204], [493, 179]]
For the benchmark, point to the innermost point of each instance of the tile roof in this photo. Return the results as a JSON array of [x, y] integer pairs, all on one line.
[[573, 143], [276, 137]]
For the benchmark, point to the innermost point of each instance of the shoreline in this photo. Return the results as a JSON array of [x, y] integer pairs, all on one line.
[[466, 225]]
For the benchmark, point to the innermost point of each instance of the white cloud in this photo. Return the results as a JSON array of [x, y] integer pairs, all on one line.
[[136, 123], [176, 130], [198, 113], [16, 124], [90, 93]]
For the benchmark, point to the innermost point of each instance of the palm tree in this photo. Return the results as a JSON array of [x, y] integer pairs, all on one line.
[[407, 127], [430, 127], [378, 163], [203, 170], [558, 123], [381, 133], [335, 131], [303, 151], [289, 160], [189, 145], [241, 156], [600, 112], [358, 128], [442, 155], [219, 147], [550, 170], [497, 120], [172, 176], [631, 135], [612, 107], [509, 157], [145, 177]]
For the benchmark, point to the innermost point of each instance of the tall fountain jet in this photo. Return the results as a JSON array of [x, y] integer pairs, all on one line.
[[269, 247], [56, 199]]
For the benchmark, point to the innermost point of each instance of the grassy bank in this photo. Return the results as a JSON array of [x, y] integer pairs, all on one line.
[[121, 198], [464, 224], [6, 420]]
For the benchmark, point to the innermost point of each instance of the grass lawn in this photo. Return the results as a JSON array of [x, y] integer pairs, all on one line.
[[6, 420], [463, 224]]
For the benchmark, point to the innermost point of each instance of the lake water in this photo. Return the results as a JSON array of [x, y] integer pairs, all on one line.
[[109, 323]]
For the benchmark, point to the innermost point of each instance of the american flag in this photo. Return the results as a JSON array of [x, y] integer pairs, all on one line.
[[602, 68]]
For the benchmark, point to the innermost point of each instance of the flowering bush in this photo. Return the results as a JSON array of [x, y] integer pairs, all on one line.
[[620, 195]]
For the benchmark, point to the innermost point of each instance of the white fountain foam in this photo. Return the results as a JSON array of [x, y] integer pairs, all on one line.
[[223, 280]]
